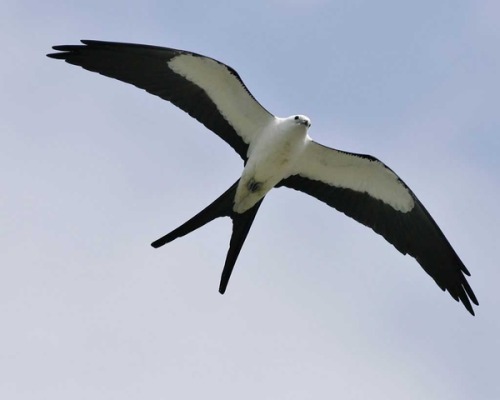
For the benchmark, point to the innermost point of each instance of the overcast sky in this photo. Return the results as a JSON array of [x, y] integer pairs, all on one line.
[[92, 170]]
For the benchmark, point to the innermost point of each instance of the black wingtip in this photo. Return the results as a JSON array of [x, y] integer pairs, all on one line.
[[57, 56], [466, 301], [64, 50], [467, 296], [468, 307]]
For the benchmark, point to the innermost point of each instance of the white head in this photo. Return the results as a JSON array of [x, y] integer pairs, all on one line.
[[301, 120]]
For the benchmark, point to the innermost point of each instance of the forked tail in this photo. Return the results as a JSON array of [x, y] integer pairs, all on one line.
[[221, 207]]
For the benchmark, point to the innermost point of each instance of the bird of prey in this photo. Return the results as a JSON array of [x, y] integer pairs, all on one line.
[[276, 152]]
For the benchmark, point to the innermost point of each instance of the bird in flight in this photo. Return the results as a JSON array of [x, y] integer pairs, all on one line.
[[277, 152]]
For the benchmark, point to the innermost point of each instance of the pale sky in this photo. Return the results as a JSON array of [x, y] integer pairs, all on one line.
[[318, 306]]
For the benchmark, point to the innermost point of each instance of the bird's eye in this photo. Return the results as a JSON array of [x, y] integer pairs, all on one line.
[[296, 118]]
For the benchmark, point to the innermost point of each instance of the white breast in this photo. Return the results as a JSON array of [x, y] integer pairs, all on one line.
[[270, 159]]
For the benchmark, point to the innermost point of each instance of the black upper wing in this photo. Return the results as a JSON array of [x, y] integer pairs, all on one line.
[[351, 182], [206, 89]]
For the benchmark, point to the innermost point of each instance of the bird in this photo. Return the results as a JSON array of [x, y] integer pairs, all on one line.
[[276, 152]]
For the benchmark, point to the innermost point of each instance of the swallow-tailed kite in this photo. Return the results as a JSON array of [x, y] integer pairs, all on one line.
[[276, 152]]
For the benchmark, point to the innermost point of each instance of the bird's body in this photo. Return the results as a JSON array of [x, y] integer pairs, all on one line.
[[277, 152], [271, 158]]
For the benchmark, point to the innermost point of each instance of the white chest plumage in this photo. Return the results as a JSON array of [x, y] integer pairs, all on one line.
[[270, 159]]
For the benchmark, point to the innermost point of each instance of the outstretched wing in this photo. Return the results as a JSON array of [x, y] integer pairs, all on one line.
[[365, 189], [206, 89]]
